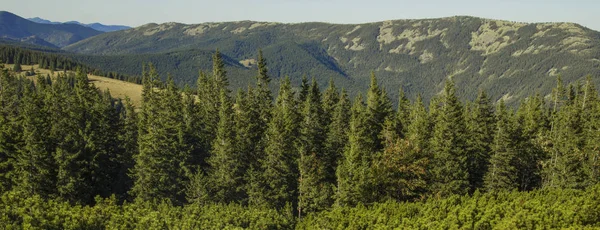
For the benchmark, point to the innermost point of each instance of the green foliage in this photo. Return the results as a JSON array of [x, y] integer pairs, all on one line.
[[543, 209], [34, 212], [74, 157]]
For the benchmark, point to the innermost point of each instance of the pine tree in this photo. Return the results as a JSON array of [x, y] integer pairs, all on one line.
[[337, 135], [315, 192], [379, 108], [534, 122], [34, 161], [418, 131], [502, 173], [160, 170], [17, 67], [330, 99], [128, 140], [449, 166], [10, 130], [278, 184], [354, 171], [480, 125], [261, 102], [565, 167], [590, 105], [75, 128], [403, 114], [304, 86], [225, 167], [209, 89]]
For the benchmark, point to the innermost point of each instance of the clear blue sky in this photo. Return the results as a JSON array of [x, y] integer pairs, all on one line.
[[139, 12]]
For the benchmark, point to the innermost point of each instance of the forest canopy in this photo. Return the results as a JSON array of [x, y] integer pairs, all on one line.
[[73, 157]]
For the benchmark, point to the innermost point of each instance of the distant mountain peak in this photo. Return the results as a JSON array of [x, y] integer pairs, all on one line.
[[17, 29], [97, 26]]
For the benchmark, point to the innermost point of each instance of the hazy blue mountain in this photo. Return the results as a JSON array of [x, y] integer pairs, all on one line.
[[96, 26], [43, 21], [13, 27]]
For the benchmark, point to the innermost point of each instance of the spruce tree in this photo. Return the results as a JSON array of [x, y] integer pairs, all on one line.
[[337, 135], [10, 130], [160, 170], [480, 126], [565, 167], [277, 186], [590, 105], [34, 161], [418, 131], [315, 191], [128, 140], [403, 114], [503, 173], [379, 108], [532, 115], [448, 144], [225, 164], [330, 99], [354, 171]]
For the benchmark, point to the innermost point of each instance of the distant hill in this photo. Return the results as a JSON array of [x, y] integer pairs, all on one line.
[[15, 28], [43, 21], [509, 60], [96, 26]]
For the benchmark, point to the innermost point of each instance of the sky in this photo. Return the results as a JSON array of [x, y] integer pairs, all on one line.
[[139, 12]]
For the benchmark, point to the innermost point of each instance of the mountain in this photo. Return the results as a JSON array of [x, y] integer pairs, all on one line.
[[96, 26], [17, 28], [42, 21], [509, 60]]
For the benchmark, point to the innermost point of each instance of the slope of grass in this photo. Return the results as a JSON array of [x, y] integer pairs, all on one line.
[[117, 88]]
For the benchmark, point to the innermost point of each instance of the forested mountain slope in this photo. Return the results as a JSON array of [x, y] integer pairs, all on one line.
[[508, 59]]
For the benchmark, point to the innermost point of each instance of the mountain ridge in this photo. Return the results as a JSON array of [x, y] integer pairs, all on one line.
[[14, 27], [508, 59], [96, 25]]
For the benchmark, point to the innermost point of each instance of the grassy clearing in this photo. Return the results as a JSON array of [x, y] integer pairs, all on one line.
[[117, 88]]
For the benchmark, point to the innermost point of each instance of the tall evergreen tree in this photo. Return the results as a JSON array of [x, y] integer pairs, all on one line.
[[565, 167], [590, 105], [225, 172], [354, 171], [503, 173], [160, 170], [277, 186], [403, 114], [34, 162], [379, 108], [128, 140], [480, 126], [330, 99], [532, 115], [10, 130], [419, 130], [449, 166], [337, 135], [315, 191]]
